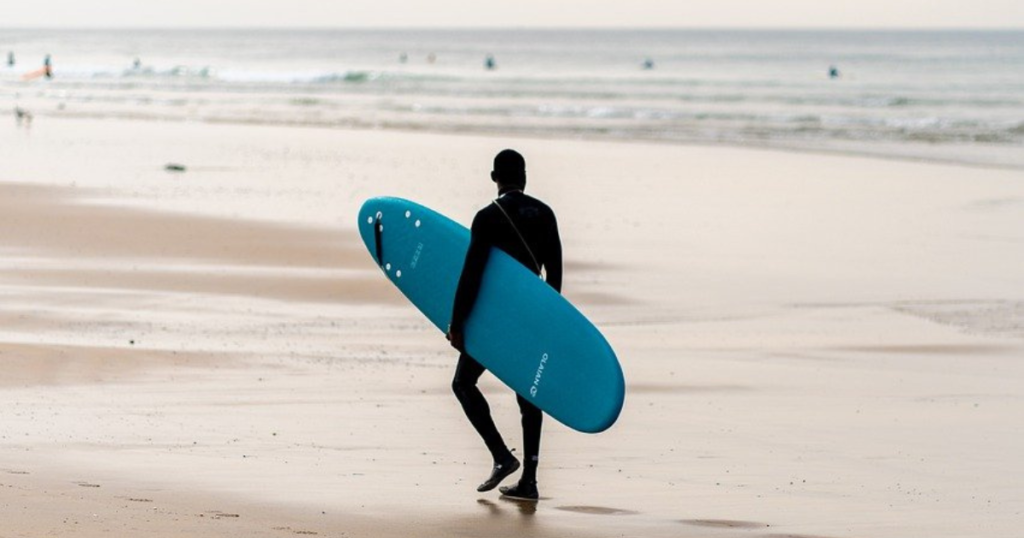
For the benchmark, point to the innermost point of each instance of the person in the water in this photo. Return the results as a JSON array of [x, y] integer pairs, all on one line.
[[48, 67], [10, 59], [489, 62], [526, 229]]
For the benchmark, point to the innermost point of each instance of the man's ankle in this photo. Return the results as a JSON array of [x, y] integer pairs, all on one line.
[[504, 458]]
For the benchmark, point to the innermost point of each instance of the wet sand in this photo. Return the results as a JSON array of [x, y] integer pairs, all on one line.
[[813, 345]]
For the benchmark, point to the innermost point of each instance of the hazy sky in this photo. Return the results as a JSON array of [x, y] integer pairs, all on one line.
[[522, 13]]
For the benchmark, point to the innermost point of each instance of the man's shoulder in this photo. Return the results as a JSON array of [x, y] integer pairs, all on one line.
[[539, 205], [487, 211], [485, 216]]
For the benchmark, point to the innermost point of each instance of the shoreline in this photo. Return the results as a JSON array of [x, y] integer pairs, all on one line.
[[526, 134]]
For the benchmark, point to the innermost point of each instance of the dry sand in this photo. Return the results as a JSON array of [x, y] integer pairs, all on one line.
[[814, 345]]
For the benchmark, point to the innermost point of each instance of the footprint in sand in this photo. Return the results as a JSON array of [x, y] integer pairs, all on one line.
[[725, 523], [86, 484], [289, 529], [598, 510], [215, 514]]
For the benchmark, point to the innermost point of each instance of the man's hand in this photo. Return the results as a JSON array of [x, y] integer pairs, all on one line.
[[456, 338]]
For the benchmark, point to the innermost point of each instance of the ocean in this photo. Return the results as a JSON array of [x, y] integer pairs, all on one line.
[[947, 96]]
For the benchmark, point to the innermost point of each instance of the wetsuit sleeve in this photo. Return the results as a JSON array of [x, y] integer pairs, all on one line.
[[472, 273], [553, 263]]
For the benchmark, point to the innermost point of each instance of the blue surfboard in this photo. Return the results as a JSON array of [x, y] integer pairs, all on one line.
[[545, 350]]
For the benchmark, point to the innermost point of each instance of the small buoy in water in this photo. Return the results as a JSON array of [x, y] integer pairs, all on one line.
[[173, 167]]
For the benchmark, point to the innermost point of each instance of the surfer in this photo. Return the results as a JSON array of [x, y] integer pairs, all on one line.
[[10, 59], [47, 67], [526, 229], [489, 62]]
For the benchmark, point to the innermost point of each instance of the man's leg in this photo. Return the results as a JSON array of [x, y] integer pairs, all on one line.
[[475, 405], [526, 489], [532, 419]]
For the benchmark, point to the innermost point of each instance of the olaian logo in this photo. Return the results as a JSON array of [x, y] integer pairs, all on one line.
[[536, 377], [416, 255]]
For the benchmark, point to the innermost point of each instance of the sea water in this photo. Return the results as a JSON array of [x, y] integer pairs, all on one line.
[[932, 95]]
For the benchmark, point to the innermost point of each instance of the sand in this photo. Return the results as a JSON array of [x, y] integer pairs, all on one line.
[[814, 345]]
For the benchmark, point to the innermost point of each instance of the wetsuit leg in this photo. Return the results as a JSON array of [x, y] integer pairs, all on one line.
[[475, 405], [532, 419]]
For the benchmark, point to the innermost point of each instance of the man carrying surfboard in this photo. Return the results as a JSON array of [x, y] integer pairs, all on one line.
[[526, 229]]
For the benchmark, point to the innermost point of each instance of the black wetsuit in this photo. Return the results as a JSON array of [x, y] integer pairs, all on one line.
[[536, 222]]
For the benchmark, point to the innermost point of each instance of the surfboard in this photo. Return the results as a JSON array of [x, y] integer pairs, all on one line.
[[31, 75], [523, 331]]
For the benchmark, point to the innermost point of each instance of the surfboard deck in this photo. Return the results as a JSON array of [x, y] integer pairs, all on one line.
[[520, 329], [32, 75]]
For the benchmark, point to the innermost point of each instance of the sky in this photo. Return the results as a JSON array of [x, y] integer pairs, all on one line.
[[911, 14]]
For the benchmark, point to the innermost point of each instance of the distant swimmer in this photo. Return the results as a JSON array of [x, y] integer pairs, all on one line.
[[403, 57], [431, 58], [137, 64], [648, 64], [489, 63], [833, 71], [10, 59], [48, 67]]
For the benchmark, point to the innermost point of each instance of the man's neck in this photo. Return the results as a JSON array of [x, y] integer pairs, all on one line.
[[505, 189]]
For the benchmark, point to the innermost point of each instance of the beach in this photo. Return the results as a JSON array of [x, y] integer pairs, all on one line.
[[813, 344]]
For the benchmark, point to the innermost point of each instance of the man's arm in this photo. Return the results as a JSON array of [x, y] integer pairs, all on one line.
[[469, 281], [553, 264]]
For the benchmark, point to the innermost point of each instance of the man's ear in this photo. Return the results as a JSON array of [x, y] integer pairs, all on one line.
[[494, 177]]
